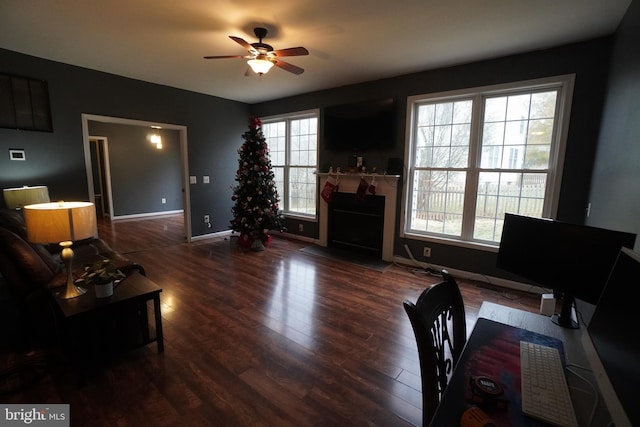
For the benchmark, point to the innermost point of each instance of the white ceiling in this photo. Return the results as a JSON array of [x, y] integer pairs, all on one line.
[[350, 41]]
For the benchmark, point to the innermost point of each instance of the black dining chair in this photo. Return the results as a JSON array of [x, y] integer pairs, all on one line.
[[439, 325]]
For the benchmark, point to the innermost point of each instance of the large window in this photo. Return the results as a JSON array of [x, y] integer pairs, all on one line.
[[293, 146], [476, 154]]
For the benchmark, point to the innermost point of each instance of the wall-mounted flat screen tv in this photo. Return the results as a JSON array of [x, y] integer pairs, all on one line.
[[360, 127]]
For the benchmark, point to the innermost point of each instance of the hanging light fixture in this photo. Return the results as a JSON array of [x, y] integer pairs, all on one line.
[[260, 64], [156, 139]]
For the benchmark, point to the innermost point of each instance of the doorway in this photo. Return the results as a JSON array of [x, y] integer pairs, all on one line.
[[97, 165]]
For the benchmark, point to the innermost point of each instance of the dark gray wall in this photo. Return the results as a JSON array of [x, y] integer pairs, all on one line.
[[588, 60], [56, 159], [141, 174], [615, 183]]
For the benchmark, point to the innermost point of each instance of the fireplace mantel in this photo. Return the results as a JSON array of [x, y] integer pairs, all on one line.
[[386, 185]]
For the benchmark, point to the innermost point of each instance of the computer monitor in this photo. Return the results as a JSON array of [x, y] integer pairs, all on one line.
[[573, 260], [611, 341]]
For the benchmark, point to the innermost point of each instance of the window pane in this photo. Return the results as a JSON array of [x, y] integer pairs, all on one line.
[[278, 173], [304, 142], [537, 157], [495, 109], [518, 107], [493, 134], [459, 157], [502, 192], [275, 134], [543, 104], [447, 128], [426, 115], [302, 190], [515, 133], [438, 202]]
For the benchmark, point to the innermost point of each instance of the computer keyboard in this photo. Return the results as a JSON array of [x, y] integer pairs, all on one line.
[[545, 394]]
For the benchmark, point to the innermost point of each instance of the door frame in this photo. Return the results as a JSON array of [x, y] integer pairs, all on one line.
[[104, 171], [186, 199]]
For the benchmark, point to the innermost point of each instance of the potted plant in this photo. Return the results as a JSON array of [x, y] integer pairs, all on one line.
[[103, 275]]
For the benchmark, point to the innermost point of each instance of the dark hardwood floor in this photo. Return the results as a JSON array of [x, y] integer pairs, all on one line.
[[272, 338]]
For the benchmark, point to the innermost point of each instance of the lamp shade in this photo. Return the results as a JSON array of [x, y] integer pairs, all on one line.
[[60, 221], [260, 66], [19, 197]]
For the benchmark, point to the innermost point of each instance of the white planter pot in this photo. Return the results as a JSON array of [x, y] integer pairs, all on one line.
[[104, 290]]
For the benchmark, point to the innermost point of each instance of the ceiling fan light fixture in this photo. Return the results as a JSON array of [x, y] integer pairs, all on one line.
[[260, 66]]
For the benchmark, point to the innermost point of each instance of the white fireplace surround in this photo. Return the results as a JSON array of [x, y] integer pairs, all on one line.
[[386, 185]]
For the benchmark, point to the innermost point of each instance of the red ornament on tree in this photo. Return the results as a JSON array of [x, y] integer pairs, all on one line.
[[254, 122]]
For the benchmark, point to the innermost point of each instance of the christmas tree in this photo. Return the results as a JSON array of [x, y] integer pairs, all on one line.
[[256, 211]]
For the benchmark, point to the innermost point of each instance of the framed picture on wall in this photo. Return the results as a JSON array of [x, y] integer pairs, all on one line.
[[24, 103]]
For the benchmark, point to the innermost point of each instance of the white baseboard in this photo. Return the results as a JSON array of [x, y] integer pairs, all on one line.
[[217, 234], [297, 237], [146, 215]]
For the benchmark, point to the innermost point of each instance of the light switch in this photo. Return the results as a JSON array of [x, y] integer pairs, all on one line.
[[193, 180], [205, 179]]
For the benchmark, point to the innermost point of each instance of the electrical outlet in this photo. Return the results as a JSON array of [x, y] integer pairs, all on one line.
[[164, 200], [206, 218], [426, 252], [300, 227]]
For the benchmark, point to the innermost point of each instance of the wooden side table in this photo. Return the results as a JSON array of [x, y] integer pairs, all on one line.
[[87, 322]]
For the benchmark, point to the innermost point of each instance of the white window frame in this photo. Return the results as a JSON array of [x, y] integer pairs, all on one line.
[[284, 198], [565, 83]]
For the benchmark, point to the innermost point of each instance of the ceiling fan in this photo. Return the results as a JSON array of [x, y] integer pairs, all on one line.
[[262, 56]]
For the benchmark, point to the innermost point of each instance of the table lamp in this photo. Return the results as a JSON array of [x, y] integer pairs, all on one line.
[[62, 222], [17, 198]]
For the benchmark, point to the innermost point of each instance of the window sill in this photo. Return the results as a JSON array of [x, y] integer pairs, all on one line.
[[299, 216]]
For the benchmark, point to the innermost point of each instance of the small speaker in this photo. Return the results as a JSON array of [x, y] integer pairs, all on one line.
[[547, 305], [395, 166]]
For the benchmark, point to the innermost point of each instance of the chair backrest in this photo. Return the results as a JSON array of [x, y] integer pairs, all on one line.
[[439, 325]]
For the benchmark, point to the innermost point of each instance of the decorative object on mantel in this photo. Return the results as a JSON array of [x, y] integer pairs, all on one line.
[[331, 186], [256, 199], [361, 191], [372, 186]]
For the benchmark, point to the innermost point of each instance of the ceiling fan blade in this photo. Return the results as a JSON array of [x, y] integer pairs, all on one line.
[[226, 56], [242, 43], [292, 51], [288, 67]]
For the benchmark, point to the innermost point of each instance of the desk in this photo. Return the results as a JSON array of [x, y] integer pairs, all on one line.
[[497, 330], [95, 327]]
